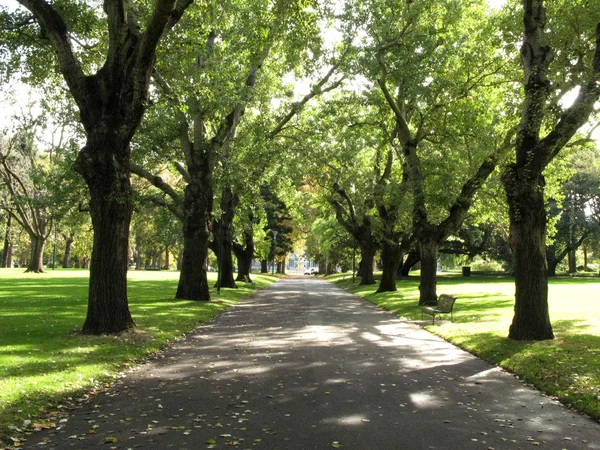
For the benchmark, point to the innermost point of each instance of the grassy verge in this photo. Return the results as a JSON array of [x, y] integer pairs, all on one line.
[[47, 366], [567, 367]]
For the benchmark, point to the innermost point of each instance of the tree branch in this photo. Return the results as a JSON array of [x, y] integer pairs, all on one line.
[[156, 181]]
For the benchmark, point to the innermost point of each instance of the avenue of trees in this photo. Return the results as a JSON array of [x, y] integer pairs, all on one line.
[[196, 134]]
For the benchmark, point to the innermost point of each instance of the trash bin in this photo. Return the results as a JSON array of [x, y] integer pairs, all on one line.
[[466, 271]]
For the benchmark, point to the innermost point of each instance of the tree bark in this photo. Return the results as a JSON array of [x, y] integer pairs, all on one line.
[[523, 180], [68, 248], [36, 263], [167, 259], [223, 237], [551, 260], [244, 254], [198, 203], [368, 248], [391, 258], [527, 214], [104, 164], [281, 266], [264, 266], [572, 261], [411, 259], [138, 258], [428, 250], [7, 251]]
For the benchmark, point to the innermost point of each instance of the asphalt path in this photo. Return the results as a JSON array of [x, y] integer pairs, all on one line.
[[306, 365]]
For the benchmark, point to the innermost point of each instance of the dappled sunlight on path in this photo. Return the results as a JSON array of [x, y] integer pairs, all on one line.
[[306, 365]]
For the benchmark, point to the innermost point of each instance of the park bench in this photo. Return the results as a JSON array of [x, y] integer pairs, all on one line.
[[247, 280], [444, 305]]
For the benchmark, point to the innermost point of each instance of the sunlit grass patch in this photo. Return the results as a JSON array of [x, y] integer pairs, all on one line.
[[567, 367], [45, 361]]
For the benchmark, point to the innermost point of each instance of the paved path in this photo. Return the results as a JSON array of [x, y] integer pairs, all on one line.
[[305, 365]]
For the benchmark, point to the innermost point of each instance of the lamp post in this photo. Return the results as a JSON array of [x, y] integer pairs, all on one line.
[[273, 263]]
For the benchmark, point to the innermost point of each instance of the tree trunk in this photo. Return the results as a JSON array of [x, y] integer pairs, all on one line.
[[68, 247], [223, 237], [585, 259], [411, 259], [198, 201], [138, 258], [167, 261], [552, 264], [527, 215], [7, 251], [428, 250], [391, 259], [244, 255], [264, 266], [36, 263], [104, 164], [281, 266], [367, 255], [226, 265], [572, 261]]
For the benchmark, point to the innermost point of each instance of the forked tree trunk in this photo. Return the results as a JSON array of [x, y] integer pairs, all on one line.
[[527, 215], [428, 250], [391, 258], [193, 284], [36, 262], [104, 164]]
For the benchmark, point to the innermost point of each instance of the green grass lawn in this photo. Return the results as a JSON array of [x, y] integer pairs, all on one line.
[[567, 367], [46, 365]]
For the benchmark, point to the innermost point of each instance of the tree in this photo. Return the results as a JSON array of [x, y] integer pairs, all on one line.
[[23, 172], [573, 217], [111, 103], [542, 133], [440, 100], [208, 116], [7, 248]]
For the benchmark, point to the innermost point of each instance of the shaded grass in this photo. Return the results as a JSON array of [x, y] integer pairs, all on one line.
[[567, 367], [46, 365]]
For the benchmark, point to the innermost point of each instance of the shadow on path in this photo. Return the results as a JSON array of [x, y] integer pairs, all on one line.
[[306, 365]]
